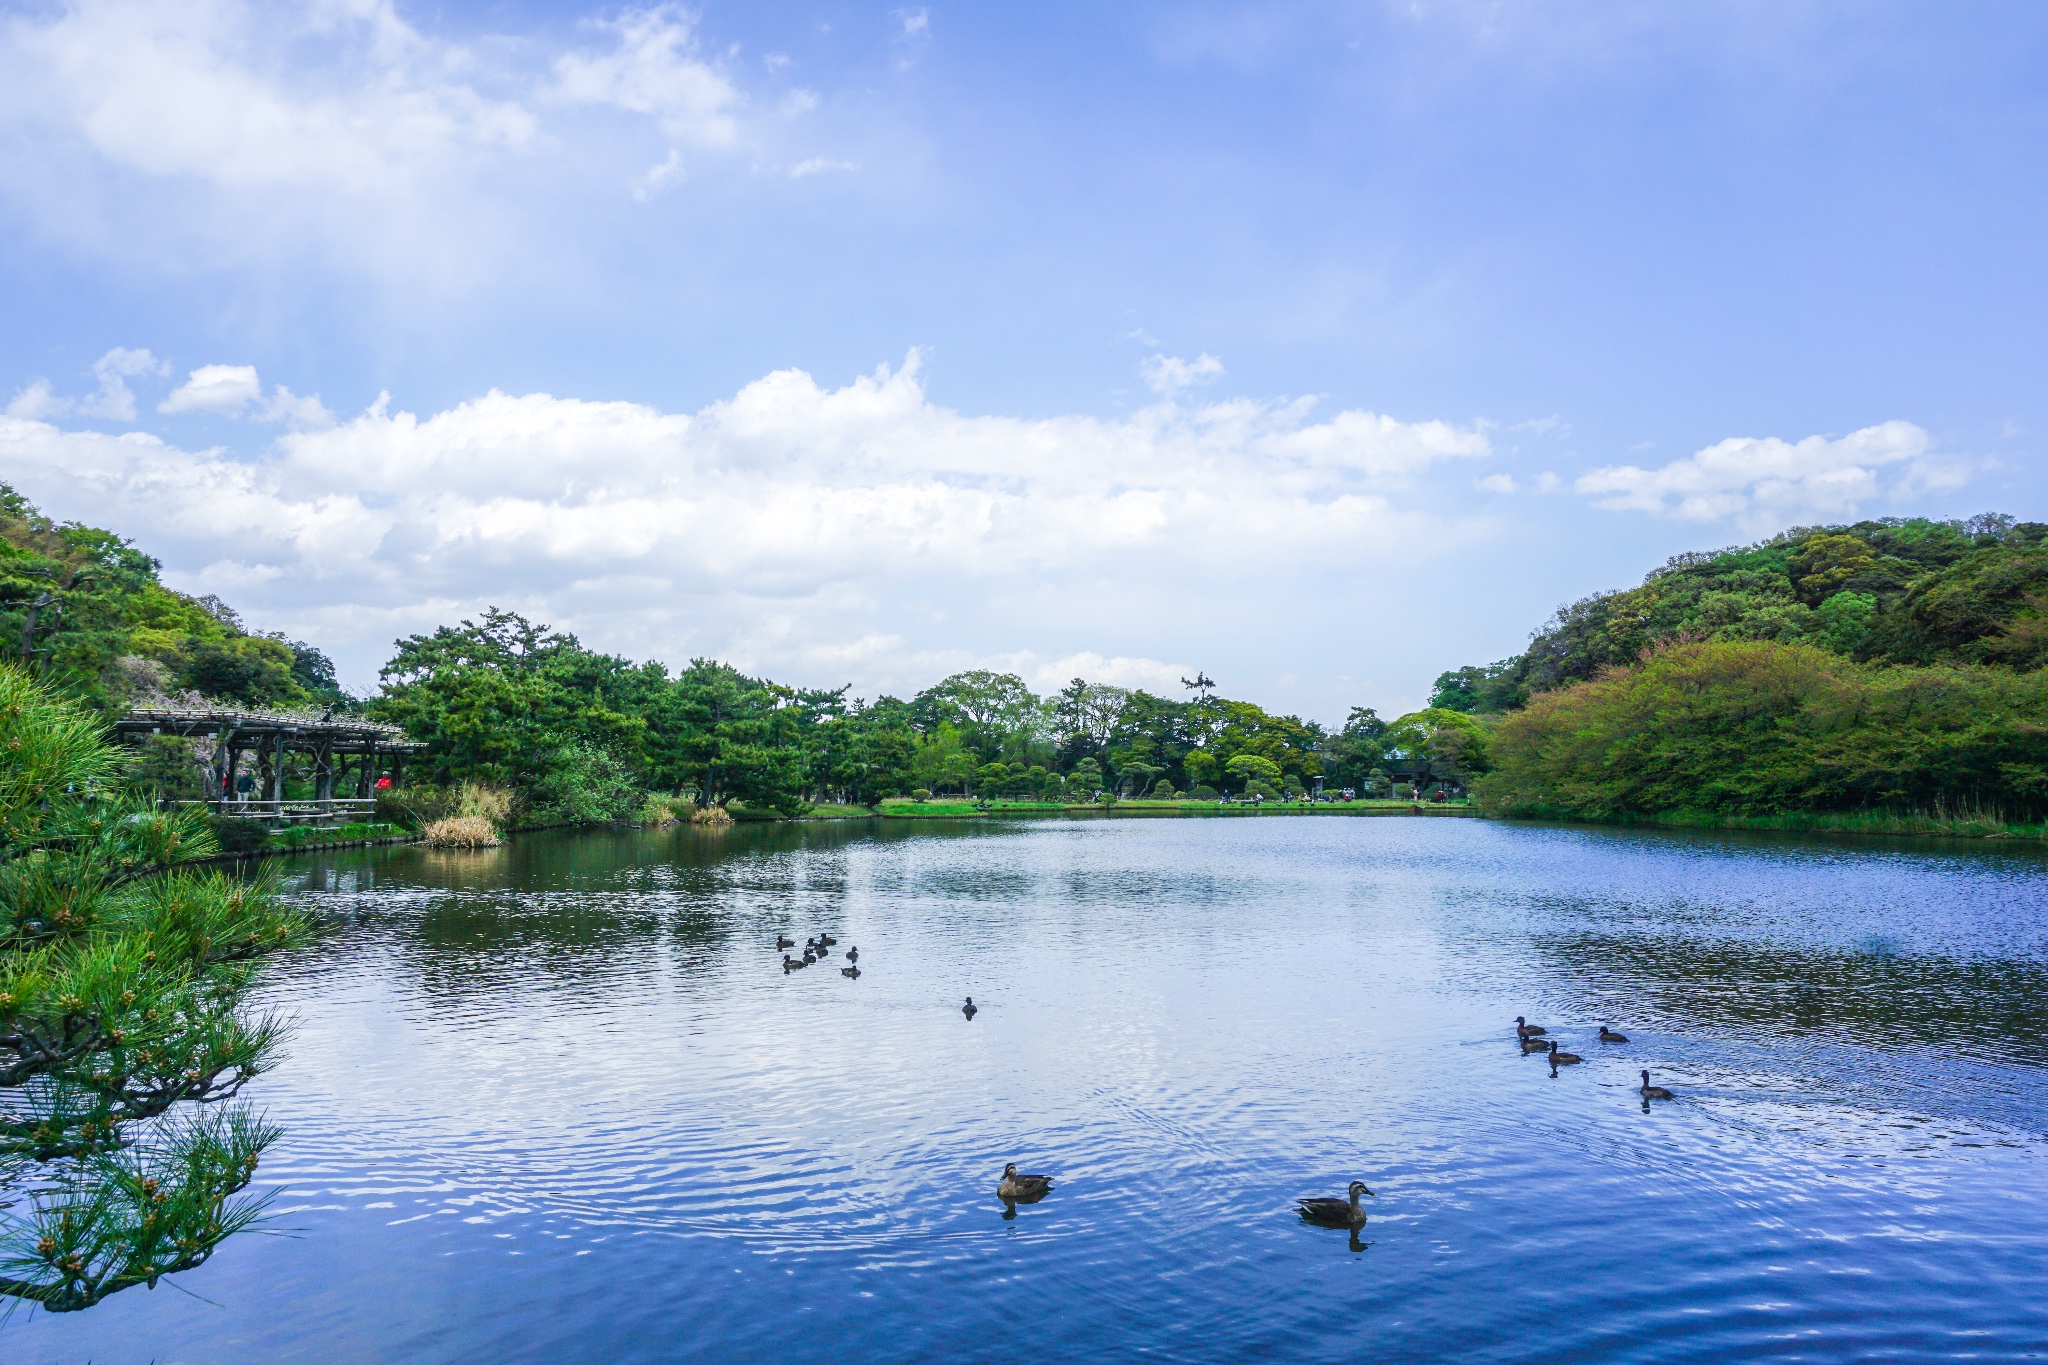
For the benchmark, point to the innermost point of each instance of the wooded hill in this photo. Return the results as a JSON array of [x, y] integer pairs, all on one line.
[[1886, 666], [1893, 591], [84, 610]]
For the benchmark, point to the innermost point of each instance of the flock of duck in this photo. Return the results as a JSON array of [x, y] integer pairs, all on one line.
[[1533, 1040], [1322, 1210], [815, 950]]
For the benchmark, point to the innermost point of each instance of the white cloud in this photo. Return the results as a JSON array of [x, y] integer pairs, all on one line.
[[36, 402], [1496, 483], [1762, 482], [654, 69], [332, 134], [787, 526], [818, 165], [916, 22], [209, 90], [221, 389], [301, 414], [113, 400], [1171, 374]]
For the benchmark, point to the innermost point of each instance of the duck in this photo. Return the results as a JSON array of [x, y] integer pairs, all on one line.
[[1022, 1189], [1534, 1045], [790, 964], [1525, 1029], [809, 957], [826, 940], [1563, 1058], [810, 945], [1334, 1213], [853, 972], [1654, 1092], [968, 1009], [853, 954], [784, 941], [1608, 1035]]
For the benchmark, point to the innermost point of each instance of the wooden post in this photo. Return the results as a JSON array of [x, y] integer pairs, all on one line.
[[323, 770], [277, 770], [397, 770], [366, 772], [223, 762]]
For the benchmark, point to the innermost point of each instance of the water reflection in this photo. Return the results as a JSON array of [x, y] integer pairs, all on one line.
[[561, 1103], [1882, 999]]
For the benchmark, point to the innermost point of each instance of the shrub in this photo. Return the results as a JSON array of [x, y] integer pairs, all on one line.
[[1203, 792], [414, 807], [921, 794], [664, 810], [461, 831], [241, 836], [588, 785], [710, 815], [1162, 790], [1754, 728]]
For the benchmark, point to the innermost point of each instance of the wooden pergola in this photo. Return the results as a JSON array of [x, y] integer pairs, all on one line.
[[335, 743]]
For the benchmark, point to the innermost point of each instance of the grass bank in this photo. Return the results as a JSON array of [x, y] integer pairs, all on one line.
[[967, 809], [255, 841], [1915, 824]]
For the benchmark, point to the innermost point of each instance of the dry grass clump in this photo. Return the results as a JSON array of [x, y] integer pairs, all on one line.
[[710, 815], [491, 804], [461, 831]]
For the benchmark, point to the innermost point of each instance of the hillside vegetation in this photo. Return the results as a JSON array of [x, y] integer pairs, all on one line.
[[84, 610], [1887, 666], [1898, 590]]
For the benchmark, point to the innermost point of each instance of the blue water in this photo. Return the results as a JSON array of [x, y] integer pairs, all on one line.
[[557, 1102]]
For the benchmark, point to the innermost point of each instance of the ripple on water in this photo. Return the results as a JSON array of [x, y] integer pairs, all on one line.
[[558, 1101]]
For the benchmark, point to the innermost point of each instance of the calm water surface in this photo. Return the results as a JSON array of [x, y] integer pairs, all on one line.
[[557, 1102]]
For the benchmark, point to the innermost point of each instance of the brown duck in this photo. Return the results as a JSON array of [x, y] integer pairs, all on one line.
[[1022, 1189], [1334, 1213]]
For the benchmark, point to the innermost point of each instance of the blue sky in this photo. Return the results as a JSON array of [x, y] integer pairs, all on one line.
[[1319, 346]]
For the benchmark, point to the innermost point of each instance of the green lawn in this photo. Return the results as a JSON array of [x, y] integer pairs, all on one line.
[[956, 808]]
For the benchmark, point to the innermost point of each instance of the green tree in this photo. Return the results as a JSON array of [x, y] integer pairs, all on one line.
[[1254, 771], [123, 1019]]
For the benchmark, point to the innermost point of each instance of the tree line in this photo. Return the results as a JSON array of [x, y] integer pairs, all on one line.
[[506, 701]]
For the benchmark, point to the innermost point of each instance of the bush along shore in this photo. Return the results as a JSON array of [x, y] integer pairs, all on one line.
[[1888, 677]]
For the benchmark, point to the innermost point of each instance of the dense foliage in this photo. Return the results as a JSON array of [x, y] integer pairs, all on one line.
[[83, 608], [582, 735], [1897, 590], [122, 1018], [1755, 727]]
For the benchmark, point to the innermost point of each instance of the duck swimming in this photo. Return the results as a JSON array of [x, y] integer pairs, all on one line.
[[968, 1008], [1525, 1029], [790, 964], [1608, 1035], [1022, 1189], [853, 954], [1654, 1092], [853, 972], [1334, 1213], [1534, 1045], [826, 940], [784, 941], [1563, 1058]]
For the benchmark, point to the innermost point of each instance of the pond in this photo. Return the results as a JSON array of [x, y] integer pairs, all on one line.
[[559, 1101]]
